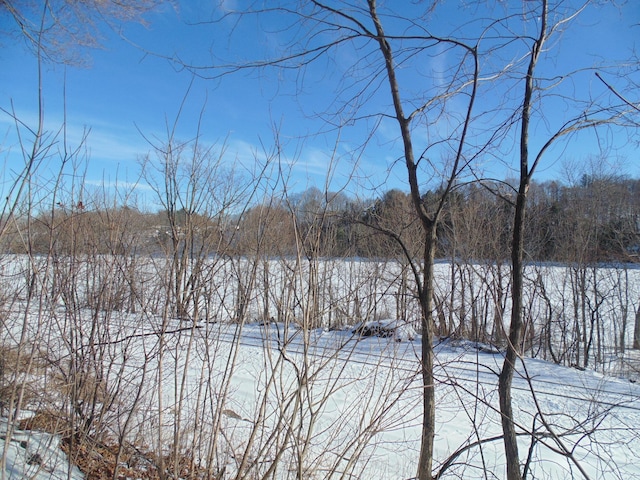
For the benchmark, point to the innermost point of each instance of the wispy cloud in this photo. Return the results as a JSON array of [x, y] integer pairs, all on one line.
[[117, 185], [101, 140]]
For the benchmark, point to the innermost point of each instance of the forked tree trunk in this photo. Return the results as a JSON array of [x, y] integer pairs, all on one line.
[[517, 255], [429, 221]]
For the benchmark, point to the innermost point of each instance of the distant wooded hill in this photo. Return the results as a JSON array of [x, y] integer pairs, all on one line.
[[596, 220]]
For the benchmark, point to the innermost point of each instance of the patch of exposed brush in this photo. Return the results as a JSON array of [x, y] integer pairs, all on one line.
[[106, 461], [109, 459]]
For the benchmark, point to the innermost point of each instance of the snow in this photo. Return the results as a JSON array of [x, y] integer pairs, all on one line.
[[368, 389], [35, 455], [332, 403], [377, 397]]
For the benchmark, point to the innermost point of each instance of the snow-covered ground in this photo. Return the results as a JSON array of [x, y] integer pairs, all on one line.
[[358, 398], [35, 455], [595, 418], [256, 400]]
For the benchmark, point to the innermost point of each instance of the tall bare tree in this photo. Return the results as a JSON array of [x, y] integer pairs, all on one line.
[[550, 19], [319, 28], [429, 219]]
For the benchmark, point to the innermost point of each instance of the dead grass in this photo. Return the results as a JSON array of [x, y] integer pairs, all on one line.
[[15, 368], [98, 461], [96, 457]]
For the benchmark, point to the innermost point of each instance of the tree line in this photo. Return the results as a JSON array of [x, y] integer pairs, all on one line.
[[593, 220]]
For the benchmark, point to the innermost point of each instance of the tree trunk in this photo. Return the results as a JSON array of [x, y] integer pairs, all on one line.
[[515, 336], [636, 331], [425, 462], [429, 221], [517, 255]]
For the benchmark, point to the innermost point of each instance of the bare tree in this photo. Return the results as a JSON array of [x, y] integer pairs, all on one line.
[[549, 19], [325, 28], [60, 30]]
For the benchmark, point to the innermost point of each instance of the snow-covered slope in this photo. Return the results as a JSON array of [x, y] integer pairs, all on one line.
[[262, 398]]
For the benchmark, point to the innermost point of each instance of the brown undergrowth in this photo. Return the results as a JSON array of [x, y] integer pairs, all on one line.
[[109, 460]]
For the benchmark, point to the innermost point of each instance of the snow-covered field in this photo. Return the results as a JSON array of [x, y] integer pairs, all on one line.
[[276, 400], [341, 406], [377, 397]]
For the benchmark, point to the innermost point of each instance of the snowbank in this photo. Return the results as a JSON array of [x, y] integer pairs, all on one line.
[[35, 455]]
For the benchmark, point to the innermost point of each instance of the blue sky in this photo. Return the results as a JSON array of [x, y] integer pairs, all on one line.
[[129, 92]]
